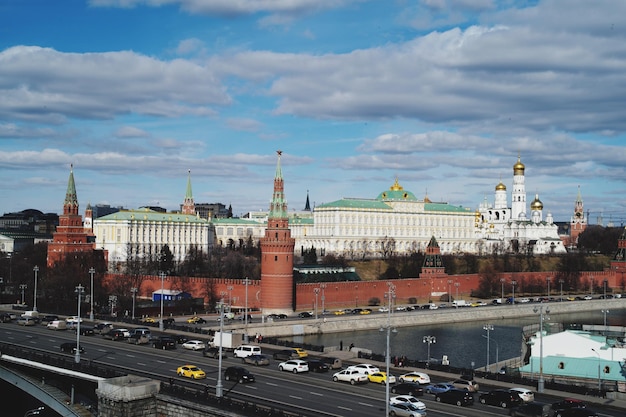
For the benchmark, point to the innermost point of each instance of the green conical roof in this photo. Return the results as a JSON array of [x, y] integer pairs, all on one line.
[[70, 195]]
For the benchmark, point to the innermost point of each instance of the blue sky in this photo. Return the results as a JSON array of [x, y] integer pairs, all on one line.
[[443, 94]]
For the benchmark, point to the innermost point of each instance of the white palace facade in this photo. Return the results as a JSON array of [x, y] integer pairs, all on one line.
[[358, 228]]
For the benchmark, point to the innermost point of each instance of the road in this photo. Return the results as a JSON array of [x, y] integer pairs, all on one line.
[[311, 393]]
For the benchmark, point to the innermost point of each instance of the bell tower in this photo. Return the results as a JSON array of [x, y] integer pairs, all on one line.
[[578, 223], [277, 285]]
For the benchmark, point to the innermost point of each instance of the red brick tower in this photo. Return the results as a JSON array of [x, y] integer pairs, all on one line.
[[433, 263], [277, 287], [578, 223], [189, 206], [70, 236]]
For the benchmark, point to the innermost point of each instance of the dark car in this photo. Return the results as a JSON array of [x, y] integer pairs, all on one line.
[[316, 365], [102, 328], [276, 316], [407, 388], [500, 397], [285, 355], [48, 318], [214, 352], [5, 317], [576, 412], [305, 314], [180, 339], [566, 404], [238, 374], [86, 331], [115, 334], [164, 342], [455, 396], [70, 347], [531, 410], [256, 360]]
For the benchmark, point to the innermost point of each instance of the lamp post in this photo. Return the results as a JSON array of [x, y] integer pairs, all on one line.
[[430, 340], [548, 283], [488, 328], [230, 297], [162, 274], [35, 270], [606, 329], [316, 291], [356, 296], [502, 281], [513, 284], [23, 287], [218, 385], [245, 317], [80, 291], [91, 272], [591, 285], [449, 290], [599, 375], [457, 285], [540, 383], [134, 292], [391, 293], [322, 287], [561, 283]]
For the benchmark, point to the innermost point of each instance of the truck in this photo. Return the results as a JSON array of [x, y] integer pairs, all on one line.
[[460, 303], [230, 340]]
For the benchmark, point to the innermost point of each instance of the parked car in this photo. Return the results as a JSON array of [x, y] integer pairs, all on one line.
[[419, 377], [531, 410], [465, 384], [164, 342], [257, 360], [191, 371], [525, 394], [294, 365], [381, 378], [214, 352], [365, 368], [437, 388], [246, 350], [407, 399], [194, 345], [353, 376], [316, 365], [285, 354], [455, 396], [408, 388], [405, 410], [239, 374], [500, 397], [70, 347]]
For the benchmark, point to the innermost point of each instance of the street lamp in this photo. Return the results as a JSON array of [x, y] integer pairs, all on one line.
[[457, 285], [80, 291], [513, 284], [548, 282], [430, 340], [35, 270], [91, 272], [391, 293], [245, 317], [162, 274], [561, 282], [316, 291], [502, 281], [218, 386], [23, 287], [230, 297], [606, 329], [591, 285], [322, 287], [488, 328], [540, 383], [134, 292], [599, 375]]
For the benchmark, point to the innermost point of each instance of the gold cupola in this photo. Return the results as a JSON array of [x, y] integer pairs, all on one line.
[[536, 204], [518, 168]]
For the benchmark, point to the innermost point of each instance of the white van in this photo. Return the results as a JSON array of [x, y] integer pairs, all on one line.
[[244, 351], [57, 325]]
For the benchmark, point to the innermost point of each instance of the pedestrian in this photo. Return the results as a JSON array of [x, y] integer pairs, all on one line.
[[351, 346]]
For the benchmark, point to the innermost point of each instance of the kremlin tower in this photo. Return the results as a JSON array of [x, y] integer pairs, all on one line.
[[277, 284]]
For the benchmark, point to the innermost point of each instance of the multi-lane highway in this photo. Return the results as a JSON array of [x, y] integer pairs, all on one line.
[[310, 393]]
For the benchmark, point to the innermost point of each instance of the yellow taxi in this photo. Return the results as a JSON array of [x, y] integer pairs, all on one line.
[[301, 352], [190, 371], [149, 320], [365, 311], [339, 313], [196, 320], [381, 378]]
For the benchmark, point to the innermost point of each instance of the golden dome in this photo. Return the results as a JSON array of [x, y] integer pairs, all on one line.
[[500, 187], [396, 186], [518, 168], [536, 204]]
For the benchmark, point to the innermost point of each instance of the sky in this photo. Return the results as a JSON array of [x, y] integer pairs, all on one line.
[[442, 94]]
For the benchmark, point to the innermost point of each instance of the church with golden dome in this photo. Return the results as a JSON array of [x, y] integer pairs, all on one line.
[[518, 227]]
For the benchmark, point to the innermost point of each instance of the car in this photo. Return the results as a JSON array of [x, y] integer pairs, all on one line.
[[242, 317], [500, 397], [455, 396], [381, 378], [437, 388], [525, 394], [305, 314], [164, 342], [353, 376], [125, 331], [70, 347], [5, 317], [239, 374], [196, 320], [179, 338], [114, 334], [246, 350], [190, 371], [383, 309], [86, 330], [465, 384], [408, 388], [274, 316], [407, 399], [138, 339], [257, 360], [587, 297], [102, 328], [150, 320], [214, 352], [302, 353], [339, 313], [366, 311], [294, 365], [316, 365], [48, 318], [194, 345], [405, 410], [576, 412], [285, 354], [419, 377], [531, 410], [332, 362], [73, 320], [57, 325], [566, 404], [26, 321], [365, 368]]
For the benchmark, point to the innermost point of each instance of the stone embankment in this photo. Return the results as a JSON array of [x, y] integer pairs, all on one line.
[[331, 323]]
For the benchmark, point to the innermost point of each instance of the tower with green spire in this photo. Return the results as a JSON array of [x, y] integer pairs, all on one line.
[[189, 207], [277, 284]]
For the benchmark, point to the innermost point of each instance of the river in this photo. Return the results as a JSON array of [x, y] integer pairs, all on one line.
[[465, 344]]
